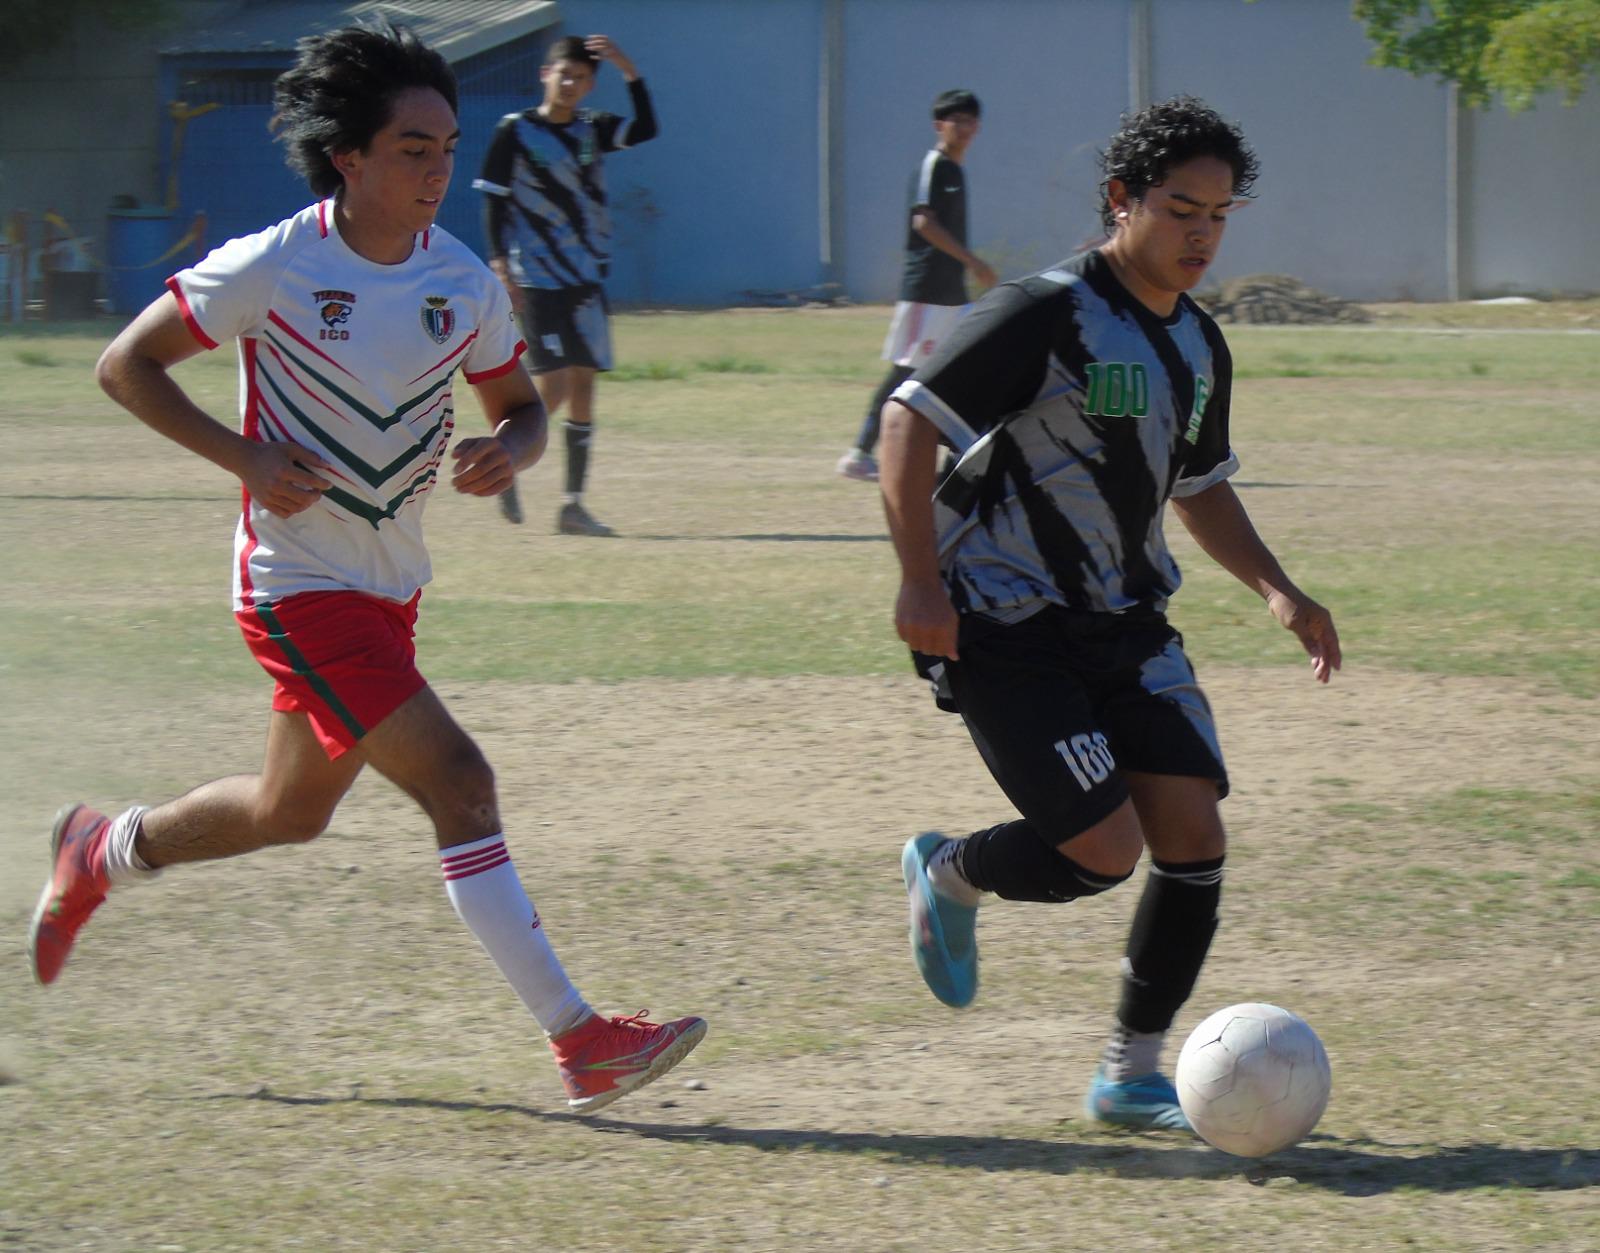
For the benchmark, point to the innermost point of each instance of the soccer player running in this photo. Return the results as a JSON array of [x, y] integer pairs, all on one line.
[[933, 287], [352, 318], [549, 233], [1077, 403]]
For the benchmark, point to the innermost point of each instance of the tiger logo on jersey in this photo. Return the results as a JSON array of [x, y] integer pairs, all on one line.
[[438, 319], [334, 306]]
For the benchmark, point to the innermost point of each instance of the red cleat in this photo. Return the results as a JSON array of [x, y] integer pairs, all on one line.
[[77, 886], [606, 1058]]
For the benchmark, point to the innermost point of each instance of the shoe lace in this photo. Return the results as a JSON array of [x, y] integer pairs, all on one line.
[[633, 1020]]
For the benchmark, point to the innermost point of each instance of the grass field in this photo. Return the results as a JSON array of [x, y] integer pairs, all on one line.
[[709, 750]]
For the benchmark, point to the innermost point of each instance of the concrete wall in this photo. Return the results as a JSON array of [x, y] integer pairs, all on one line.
[[1531, 182]]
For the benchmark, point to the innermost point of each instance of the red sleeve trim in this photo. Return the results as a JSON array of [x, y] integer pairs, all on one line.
[[499, 370], [176, 289]]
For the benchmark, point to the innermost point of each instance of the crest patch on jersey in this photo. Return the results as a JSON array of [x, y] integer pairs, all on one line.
[[438, 319], [334, 306]]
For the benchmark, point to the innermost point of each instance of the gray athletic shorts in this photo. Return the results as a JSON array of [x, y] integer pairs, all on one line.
[[566, 326]]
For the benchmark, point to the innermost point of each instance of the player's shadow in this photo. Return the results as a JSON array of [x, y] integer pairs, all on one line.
[[1349, 1167], [165, 498], [775, 537]]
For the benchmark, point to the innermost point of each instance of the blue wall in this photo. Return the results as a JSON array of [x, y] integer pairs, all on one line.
[[725, 202]]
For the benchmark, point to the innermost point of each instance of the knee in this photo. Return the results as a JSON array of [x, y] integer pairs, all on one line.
[[1110, 849], [1198, 842], [463, 786]]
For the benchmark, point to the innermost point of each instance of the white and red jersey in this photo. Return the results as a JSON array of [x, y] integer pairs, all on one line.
[[353, 360]]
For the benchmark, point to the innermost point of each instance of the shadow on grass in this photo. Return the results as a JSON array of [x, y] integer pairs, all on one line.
[[1349, 1167], [780, 537], [164, 499]]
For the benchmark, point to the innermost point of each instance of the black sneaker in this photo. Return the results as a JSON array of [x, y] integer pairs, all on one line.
[[574, 519]]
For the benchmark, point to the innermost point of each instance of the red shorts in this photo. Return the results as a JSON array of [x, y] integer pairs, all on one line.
[[345, 659]]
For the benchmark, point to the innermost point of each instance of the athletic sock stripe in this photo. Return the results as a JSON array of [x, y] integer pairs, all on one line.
[[455, 862], [469, 871], [465, 861], [475, 859]]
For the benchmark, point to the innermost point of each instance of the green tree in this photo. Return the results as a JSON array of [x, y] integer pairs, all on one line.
[[1517, 48]]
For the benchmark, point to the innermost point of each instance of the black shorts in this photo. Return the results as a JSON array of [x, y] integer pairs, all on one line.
[[566, 326], [1061, 703]]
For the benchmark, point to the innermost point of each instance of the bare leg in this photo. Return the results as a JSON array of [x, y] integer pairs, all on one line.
[[289, 802], [421, 749], [554, 388], [581, 395], [1110, 847], [1179, 815]]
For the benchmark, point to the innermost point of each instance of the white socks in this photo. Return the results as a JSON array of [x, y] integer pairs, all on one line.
[[123, 865], [488, 897], [944, 872], [1130, 1054]]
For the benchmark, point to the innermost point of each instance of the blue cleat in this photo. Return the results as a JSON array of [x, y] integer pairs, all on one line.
[[1147, 1103], [943, 931]]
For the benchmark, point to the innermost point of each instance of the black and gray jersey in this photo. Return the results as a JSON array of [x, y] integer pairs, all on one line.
[[932, 277], [1074, 414], [551, 175]]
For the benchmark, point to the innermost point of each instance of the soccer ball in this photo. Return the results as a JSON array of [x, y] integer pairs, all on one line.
[[1253, 1079]]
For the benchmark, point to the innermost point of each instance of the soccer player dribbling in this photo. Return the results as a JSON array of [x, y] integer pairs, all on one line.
[[352, 318], [1078, 403]]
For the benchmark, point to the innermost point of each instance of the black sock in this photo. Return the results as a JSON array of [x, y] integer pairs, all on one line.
[[868, 439], [1016, 863], [579, 435], [1167, 945]]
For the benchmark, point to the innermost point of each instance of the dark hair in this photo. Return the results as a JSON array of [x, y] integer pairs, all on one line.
[[1154, 140], [341, 93], [571, 48], [957, 101]]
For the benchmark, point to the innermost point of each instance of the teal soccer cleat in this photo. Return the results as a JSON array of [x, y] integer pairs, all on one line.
[[1146, 1103], [943, 931]]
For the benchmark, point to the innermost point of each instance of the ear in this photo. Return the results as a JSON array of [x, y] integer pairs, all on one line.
[[346, 162], [1119, 198]]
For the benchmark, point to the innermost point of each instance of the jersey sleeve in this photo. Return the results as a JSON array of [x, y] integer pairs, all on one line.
[[227, 294], [1210, 457], [924, 181], [944, 190], [499, 343], [495, 178], [614, 133], [993, 365]]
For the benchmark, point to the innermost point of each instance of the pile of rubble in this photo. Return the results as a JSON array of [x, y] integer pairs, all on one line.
[[1277, 299]]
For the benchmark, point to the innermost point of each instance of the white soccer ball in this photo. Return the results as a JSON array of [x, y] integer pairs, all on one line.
[[1253, 1079]]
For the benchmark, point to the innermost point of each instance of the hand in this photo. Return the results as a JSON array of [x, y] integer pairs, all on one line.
[[1313, 625], [603, 49], [983, 272], [283, 479], [926, 620], [483, 467]]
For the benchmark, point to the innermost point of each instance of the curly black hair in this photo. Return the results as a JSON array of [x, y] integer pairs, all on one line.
[[1154, 140], [341, 93]]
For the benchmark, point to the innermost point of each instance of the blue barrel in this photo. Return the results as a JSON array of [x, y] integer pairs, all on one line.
[[137, 241]]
